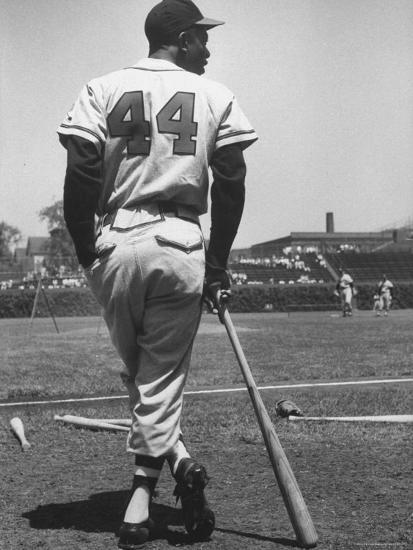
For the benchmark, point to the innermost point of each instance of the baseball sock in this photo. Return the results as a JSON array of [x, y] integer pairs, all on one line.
[[178, 452], [146, 476]]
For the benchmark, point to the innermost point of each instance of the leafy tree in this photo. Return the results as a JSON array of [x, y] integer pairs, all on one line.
[[9, 237], [60, 245]]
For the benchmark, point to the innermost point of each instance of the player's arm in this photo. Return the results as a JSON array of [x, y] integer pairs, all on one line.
[[227, 204], [81, 194]]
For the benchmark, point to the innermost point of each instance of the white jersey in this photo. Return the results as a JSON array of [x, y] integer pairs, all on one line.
[[385, 286], [345, 281], [156, 126]]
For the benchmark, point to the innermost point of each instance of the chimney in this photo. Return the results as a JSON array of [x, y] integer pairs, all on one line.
[[330, 222]]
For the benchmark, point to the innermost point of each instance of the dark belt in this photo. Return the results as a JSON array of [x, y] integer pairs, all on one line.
[[165, 207]]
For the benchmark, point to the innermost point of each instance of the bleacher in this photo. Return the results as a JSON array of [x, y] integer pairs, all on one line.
[[307, 268], [370, 267]]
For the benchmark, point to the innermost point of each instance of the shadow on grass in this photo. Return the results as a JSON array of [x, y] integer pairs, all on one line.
[[102, 512], [278, 540]]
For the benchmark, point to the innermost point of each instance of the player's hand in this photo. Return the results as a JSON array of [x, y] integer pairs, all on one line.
[[216, 291]]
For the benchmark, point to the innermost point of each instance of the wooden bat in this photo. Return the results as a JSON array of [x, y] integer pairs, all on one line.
[[118, 421], [383, 418], [18, 430], [90, 423], [294, 502]]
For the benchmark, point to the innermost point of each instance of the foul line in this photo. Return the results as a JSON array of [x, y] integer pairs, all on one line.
[[222, 390]]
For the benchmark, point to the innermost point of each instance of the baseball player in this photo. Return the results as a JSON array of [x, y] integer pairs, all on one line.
[[385, 289], [139, 145], [345, 289]]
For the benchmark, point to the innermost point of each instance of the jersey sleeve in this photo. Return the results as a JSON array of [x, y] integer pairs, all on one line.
[[87, 118], [234, 127]]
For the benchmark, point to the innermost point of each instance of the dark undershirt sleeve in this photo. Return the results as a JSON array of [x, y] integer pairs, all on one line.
[[81, 194], [227, 203]]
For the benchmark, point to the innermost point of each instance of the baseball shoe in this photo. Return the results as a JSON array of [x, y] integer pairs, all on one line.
[[134, 535], [191, 478]]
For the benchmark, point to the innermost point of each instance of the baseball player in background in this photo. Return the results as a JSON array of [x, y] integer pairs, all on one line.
[[385, 289], [139, 144], [376, 303], [345, 289]]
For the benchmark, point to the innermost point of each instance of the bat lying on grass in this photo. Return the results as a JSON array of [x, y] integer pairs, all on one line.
[[384, 418], [17, 427], [91, 423], [118, 421]]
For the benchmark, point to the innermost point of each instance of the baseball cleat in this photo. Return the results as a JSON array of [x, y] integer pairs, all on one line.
[[134, 535], [191, 478]]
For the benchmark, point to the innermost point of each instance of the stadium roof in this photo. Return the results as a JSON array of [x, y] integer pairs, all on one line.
[[333, 236]]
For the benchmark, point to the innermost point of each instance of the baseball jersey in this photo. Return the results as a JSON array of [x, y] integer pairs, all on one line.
[[156, 127], [385, 286], [345, 281]]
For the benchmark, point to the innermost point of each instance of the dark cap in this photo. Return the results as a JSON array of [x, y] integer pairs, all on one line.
[[170, 17]]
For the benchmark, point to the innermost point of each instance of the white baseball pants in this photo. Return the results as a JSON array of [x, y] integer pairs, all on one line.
[[149, 283], [346, 295], [385, 301]]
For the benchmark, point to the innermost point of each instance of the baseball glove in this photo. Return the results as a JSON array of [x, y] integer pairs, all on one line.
[[285, 408]]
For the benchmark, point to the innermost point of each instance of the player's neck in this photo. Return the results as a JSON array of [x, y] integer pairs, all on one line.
[[166, 54]]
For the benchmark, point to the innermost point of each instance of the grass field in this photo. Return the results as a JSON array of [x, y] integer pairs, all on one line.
[[67, 491]]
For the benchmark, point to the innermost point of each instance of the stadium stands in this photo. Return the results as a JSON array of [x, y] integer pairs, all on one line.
[[286, 269], [315, 268], [369, 267]]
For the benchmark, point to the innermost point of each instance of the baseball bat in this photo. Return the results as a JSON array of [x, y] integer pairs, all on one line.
[[18, 430], [118, 421], [384, 418], [294, 502], [90, 423]]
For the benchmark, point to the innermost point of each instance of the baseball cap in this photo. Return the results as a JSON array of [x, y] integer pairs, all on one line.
[[171, 17]]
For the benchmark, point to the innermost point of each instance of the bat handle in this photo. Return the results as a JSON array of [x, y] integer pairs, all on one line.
[[220, 298]]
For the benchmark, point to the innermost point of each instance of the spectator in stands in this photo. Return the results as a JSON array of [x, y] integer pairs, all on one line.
[[345, 289], [385, 293]]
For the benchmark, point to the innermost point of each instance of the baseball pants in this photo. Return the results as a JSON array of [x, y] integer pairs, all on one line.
[[346, 296], [385, 301], [149, 281]]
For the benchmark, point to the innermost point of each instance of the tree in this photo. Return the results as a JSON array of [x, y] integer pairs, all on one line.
[[60, 245], [9, 237]]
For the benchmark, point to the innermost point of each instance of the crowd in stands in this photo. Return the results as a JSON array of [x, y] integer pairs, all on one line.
[[292, 266], [62, 278]]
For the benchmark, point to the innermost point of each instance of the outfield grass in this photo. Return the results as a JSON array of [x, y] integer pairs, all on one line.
[[313, 346], [68, 490]]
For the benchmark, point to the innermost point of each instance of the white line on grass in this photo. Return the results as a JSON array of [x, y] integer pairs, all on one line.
[[221, 390]]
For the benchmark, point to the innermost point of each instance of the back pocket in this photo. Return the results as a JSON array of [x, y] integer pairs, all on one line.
[[181, 242]]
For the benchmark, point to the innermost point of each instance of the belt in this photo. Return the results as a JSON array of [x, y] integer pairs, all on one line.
[[164, 208]]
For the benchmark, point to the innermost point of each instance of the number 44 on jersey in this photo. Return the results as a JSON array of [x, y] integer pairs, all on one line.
[[127, 120]]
